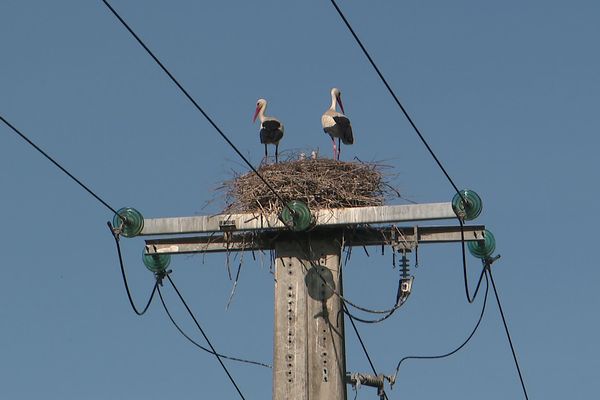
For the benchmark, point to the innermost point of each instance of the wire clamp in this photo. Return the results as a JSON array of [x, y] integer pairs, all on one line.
[[377, 381], [130, 221], [490, 260], [160, 275]]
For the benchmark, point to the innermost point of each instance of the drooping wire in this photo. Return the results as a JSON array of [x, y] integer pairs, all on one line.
[[308, 257], [57, 164], [217, 355], [241, 360], [464, 262], [366, 53], [463, 344], [512, 348], [196, 105], [116, 237], [376, 320]]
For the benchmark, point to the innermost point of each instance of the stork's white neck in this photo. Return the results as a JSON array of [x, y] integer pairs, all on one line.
[[261, 113], [333, 102]]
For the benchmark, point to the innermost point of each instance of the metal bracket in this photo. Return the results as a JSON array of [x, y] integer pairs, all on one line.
[[227, 225], [399, 241]]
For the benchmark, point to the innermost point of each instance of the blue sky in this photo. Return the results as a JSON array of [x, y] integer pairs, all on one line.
[[505, 92]]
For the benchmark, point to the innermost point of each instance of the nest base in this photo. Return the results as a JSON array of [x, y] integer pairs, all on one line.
[[320, 183]]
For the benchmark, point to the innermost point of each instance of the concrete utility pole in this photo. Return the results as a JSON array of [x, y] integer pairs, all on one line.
[[309, 352]]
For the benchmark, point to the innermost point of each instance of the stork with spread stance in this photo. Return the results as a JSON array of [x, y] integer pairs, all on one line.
[[271, 129], [336, 124]]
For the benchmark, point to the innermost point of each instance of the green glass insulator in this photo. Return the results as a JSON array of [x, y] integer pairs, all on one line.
[[467, 205], [156, 262], [134, 221], [483, 248], [301, 218]]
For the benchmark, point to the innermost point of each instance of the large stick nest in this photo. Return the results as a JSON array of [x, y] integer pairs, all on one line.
[[321, 183]]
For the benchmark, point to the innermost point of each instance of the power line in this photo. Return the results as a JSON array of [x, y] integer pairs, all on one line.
[[376, 320], [196, 105], [87, 189], [423, 140], [464, 262], [308, 256], [125, 277], [57, 164], [512, 348], [463, 344], [362, 344], [358, 41], [104, 203], [205, 337], [199, 345]]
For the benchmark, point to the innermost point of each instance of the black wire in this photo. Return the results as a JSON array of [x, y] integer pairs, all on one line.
[[199, 345], [205, 337], [125, 277], [191, 99], [307, 256], [464, 261], [362, 344], [396, 99], [368, 310], [512, 348], [487, 286], [42, 152], [372, 321]]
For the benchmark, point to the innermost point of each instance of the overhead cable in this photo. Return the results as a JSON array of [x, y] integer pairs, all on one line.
[[308, 252], [376, 320], [196, 105], [241, 360], [214, 352], [414, 126], [362, 344], [57, 164], [118, 245], [512, 348], [464, 263], [463, 344]]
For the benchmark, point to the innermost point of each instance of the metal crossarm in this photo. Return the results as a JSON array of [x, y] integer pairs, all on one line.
[[404, 237], [323, 218]]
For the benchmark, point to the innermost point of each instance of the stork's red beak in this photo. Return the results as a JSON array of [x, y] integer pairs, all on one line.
[[256, 113], [339, 100]]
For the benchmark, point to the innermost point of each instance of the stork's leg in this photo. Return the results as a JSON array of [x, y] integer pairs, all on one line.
[[334, 148], [339, 148], [266, 155], [276, 153]]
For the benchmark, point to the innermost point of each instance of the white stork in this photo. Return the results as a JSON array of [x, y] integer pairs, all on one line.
[[336, 124], [271, 129]]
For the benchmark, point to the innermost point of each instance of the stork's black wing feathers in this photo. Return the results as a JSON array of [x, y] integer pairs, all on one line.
[[271, 125], [344, 128], [271, 132]]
